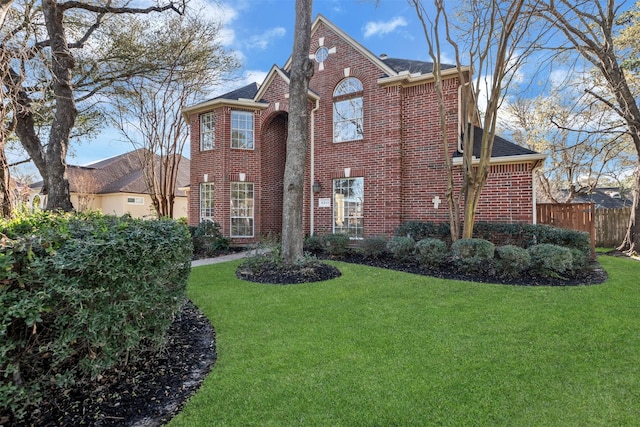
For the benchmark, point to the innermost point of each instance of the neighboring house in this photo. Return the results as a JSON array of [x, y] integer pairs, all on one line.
[[117, 186], [605, 197], [376, 154]]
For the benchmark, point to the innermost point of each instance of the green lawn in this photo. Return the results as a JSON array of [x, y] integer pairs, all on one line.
[[383, 348]]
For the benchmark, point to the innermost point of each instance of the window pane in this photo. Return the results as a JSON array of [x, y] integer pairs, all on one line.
[[348, 85], [348, 207], [207, 131], [206, 201], [242, 130], [347, 120], [241, 209]]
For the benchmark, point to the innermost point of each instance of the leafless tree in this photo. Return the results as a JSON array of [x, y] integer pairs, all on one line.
[[493, 40], [148, 108], [590, 28]]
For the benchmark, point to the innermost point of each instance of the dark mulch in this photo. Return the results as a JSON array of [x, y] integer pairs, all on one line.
[[148, 392], [595, 274], [272, 273]]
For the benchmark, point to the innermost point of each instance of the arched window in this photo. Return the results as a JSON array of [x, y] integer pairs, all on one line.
[[348, 111]]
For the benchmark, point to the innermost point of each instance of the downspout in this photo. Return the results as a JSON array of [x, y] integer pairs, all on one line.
[[534, 185], [312, 168]]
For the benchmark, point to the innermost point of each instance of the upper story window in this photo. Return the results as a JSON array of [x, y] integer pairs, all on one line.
[[348, 111], [207, 131], [242, 130]]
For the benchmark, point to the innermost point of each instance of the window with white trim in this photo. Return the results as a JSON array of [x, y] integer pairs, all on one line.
[[348, 207], [206, 201], [242, 130], [135, 200], [348, 110], [241, 209], [207, 131]]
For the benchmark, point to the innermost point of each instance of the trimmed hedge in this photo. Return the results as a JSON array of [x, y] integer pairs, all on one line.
[[373, 247], [512, 260], [431, 252], [402, 248], [473, 255], [517, 234], [550, 260], [80, 294]]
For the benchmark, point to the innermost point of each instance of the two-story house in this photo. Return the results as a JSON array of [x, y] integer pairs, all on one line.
[[375, 150]]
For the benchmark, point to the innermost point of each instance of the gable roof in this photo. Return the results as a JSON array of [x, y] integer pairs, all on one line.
[[502, 150], [119, 174]]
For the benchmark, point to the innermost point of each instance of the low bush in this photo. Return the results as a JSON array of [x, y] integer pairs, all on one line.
[[402, 248], [422, 230], [511, 260], [580, 260], [550, 260], [431, 252], [473, 255], [373, 247], [208, 239], [80, 294], [314, 244], [336, 244]]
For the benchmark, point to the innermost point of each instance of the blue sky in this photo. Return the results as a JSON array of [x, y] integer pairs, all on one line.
[[261, 34]]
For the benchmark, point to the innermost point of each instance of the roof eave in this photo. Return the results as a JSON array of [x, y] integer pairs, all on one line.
[[500, 160], [405, 79], [215, 103]]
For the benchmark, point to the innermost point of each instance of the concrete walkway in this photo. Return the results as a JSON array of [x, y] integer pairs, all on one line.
[[219, 259]]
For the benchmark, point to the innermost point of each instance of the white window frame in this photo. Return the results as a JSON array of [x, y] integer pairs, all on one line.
[[207, 201], [348, 110], [348, 207], [207, 131], [242, 209], [135, 200], [242, 130]]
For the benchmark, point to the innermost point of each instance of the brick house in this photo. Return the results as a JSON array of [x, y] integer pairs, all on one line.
[[375, 152]]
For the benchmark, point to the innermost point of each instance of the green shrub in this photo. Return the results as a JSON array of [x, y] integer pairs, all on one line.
[[473, 255], [512, 260], [208, 239], [80, 294], [373, 247], [402, 248], [336, 244], [580, 260], [422, 230], [431, 252], [550, 260], [314, 244]]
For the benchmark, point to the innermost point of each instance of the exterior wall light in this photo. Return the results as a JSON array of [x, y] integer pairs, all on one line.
[[316, 187]]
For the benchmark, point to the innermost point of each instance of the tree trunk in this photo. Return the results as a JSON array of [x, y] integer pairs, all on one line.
[[6, 202], [297, 139], [631, 242], [52, 164]]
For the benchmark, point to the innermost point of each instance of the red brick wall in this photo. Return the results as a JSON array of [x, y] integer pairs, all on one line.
[[401, 156]]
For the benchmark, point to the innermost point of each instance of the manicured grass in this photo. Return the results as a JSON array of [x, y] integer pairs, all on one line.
[[382, 348]]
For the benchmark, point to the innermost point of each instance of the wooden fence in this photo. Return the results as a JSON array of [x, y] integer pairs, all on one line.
[[611, 226], [607, 227], [574, 216]]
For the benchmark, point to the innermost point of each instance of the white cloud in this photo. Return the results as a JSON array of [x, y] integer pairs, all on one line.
[[263, 40], [381, 28]]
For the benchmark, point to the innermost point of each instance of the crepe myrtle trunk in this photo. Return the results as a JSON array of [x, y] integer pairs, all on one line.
[[298, 133]]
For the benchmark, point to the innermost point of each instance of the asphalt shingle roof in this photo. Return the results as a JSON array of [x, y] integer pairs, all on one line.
[[119, 174], [501, 146], [399, 65]]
